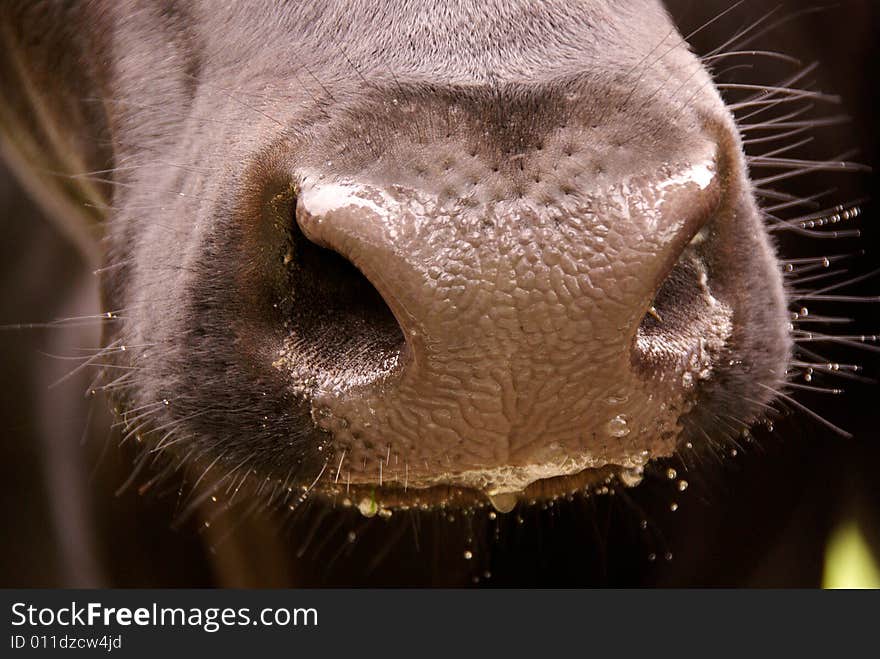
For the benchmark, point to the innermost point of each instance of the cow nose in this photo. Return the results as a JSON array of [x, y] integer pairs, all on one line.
[[517, 316], [512, 271]]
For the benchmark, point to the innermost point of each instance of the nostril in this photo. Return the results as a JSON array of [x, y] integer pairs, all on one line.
[[685, 327], [339, 332]]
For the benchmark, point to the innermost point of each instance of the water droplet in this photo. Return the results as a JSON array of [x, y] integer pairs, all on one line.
[[352, 536], [643, 524], [504, 502], [673, 506], [652, 557], [682, 485], [671, 473], [468, 555], [617, 426], [368, 507], [668, 556], [631, 477], [492, 514]]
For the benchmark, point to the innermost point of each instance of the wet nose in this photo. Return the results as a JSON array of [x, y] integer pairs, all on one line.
[[521, 272], [520, 318]]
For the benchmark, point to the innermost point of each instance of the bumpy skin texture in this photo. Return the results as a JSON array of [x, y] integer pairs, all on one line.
[[520, 182]]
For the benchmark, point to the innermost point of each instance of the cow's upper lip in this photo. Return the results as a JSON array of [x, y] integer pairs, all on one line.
[[369, 499]]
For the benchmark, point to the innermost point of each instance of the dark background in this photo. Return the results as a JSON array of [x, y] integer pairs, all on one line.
[[762, 518]]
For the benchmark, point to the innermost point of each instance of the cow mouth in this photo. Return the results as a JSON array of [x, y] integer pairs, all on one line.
[[370, 500]]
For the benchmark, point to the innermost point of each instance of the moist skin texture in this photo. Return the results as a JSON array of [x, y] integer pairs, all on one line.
[[453, 252]]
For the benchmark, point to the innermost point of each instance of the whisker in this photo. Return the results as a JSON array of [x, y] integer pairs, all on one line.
[[754, 53], [825, 422], [855, 280], [820, 390], [859, 341]]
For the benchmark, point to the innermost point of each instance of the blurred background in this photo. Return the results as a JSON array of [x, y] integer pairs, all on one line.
[[795, 506]]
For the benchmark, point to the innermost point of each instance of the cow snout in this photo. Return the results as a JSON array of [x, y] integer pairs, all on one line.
[[511, 340]]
